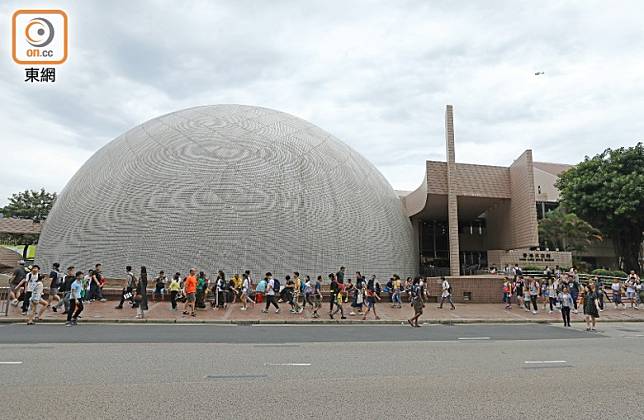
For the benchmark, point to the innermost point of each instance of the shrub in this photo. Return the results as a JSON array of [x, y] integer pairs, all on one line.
[[602, 272], [532, 268]]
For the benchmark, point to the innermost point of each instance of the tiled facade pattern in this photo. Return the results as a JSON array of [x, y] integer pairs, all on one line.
[[482, 181], [436, 177], [452, 191], [471, 180], [552, 168], [523, 211], [479, 289], [229, 187]]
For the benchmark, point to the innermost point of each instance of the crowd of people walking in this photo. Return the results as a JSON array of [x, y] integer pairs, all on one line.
[[195, 291], [564, 292], [555, 291]]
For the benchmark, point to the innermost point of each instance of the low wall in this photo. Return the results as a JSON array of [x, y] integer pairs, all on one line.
[[472, 289], [480, 289], [527, 258]]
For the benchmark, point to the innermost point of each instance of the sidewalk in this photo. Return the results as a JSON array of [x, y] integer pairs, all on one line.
[[160, 312]]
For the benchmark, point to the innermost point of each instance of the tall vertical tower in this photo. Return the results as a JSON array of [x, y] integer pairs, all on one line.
[[452, 199]]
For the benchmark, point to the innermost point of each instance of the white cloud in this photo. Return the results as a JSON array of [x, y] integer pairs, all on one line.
[[375, 74]]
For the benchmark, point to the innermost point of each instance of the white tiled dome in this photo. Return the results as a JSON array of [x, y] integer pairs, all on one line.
[[229, 187]]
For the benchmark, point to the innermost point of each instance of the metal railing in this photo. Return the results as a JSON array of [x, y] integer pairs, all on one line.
[[4, 301], [583, 278]]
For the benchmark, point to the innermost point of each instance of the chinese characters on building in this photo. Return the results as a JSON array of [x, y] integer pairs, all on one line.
[[537, 257]]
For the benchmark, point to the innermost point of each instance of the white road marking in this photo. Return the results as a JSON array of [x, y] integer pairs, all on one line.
[[10, 363], [473, 338], [287, 364], [540, 362]]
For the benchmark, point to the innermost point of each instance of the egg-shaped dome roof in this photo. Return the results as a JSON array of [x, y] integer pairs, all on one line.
[[229, 187]]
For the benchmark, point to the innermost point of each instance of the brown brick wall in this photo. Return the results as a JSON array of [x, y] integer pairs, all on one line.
[[523, 212], [436, 177], [482, 289], [482, 181], [471, 180], [452, 200]]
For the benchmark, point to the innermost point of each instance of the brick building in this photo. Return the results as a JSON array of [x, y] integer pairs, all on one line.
[[467, 216]]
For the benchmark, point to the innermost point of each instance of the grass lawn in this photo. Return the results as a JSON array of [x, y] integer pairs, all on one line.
[[31, 251]]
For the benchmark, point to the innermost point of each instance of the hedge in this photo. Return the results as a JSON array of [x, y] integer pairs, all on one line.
[[608, 273]]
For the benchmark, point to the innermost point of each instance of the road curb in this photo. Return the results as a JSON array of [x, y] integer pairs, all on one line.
[[13, 320]]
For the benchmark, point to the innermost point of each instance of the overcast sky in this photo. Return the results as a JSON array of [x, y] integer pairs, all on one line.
[[377, 75]]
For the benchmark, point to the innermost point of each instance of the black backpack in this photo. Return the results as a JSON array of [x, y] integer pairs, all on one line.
[[276, 286], [56, 279], [449, 288], [334, 287]]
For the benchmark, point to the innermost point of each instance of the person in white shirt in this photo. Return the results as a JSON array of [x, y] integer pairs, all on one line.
[[251, 280], [446, 294], [246, 290], [632, 282], [37, 299], [29, 282], [507, 270], [271, 293], [616, 287]]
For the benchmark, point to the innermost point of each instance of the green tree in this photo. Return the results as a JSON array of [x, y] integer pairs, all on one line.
[[607, 191], [33, 205], [567, 231]]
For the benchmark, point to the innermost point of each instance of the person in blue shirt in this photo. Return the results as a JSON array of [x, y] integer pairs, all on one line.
[[260, 291], [317, 297], [75, 300], [261, 286]]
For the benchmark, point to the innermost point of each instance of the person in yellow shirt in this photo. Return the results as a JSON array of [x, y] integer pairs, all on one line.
[[174, 287], [396, 297], [237, 281], [298, 287], [237, 284], [336, 296]]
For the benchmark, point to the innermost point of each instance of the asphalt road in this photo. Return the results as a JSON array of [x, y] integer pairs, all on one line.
[[501, 371], [261, 333]]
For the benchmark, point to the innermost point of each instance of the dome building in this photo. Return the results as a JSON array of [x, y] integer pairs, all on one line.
[[229, 187]]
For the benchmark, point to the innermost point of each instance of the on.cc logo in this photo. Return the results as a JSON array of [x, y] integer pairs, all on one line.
[[39, 36], [39, 32]]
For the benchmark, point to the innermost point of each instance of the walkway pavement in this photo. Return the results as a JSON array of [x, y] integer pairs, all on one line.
[[160, 312]]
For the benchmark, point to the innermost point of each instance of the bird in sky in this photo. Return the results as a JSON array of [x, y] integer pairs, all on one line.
[[539, 73]]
